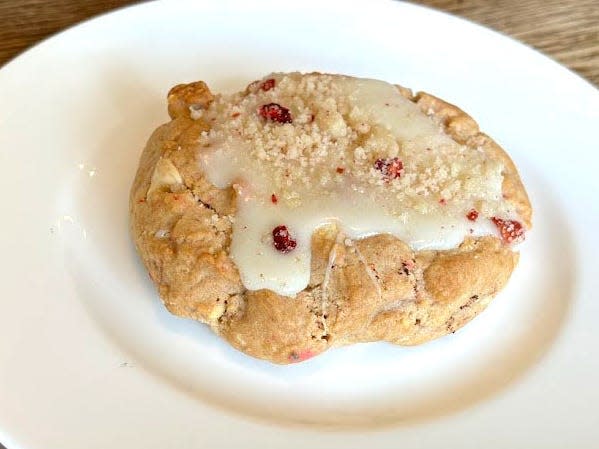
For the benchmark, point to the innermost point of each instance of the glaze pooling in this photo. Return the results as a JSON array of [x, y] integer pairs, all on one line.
[[322, 168]]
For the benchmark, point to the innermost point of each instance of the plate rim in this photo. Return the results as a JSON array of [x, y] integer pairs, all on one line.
[[31, 53]]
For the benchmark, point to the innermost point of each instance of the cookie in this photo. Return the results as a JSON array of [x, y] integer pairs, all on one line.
[[311, 211]]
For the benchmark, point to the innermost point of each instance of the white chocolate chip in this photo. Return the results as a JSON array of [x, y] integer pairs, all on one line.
[[165, 177]]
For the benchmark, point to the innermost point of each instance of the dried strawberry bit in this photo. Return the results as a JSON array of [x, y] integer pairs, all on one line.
[[268, 84], [275, 112], [472, 215], [443, 202], [274, 199], [391, 168], [282, 240], [408, 266], [235, 114], [511, 231], [340, 170], [306, 354]]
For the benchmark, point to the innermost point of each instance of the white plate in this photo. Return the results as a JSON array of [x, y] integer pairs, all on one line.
[[90, 359]]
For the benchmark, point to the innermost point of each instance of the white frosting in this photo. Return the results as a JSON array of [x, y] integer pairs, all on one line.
[[350, 123]]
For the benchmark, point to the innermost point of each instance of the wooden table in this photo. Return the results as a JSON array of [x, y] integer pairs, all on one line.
[[567, 30]]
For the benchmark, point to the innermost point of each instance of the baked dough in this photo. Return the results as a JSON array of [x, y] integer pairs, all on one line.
[[378, 288]]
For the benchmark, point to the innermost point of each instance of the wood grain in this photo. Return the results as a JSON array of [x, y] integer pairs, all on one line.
[[567, 30]]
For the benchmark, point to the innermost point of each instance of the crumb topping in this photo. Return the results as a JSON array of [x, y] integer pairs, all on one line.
[[312, 135]]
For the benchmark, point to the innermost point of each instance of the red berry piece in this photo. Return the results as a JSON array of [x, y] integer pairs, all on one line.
[[268, 84], [511, 231], [408, 266], [472, 215], [340, 170], [275, 112], [306, 354], [282, 240], [391, 168], [274, 199]]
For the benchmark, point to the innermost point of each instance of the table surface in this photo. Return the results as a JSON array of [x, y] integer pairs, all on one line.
[[566, 30]]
